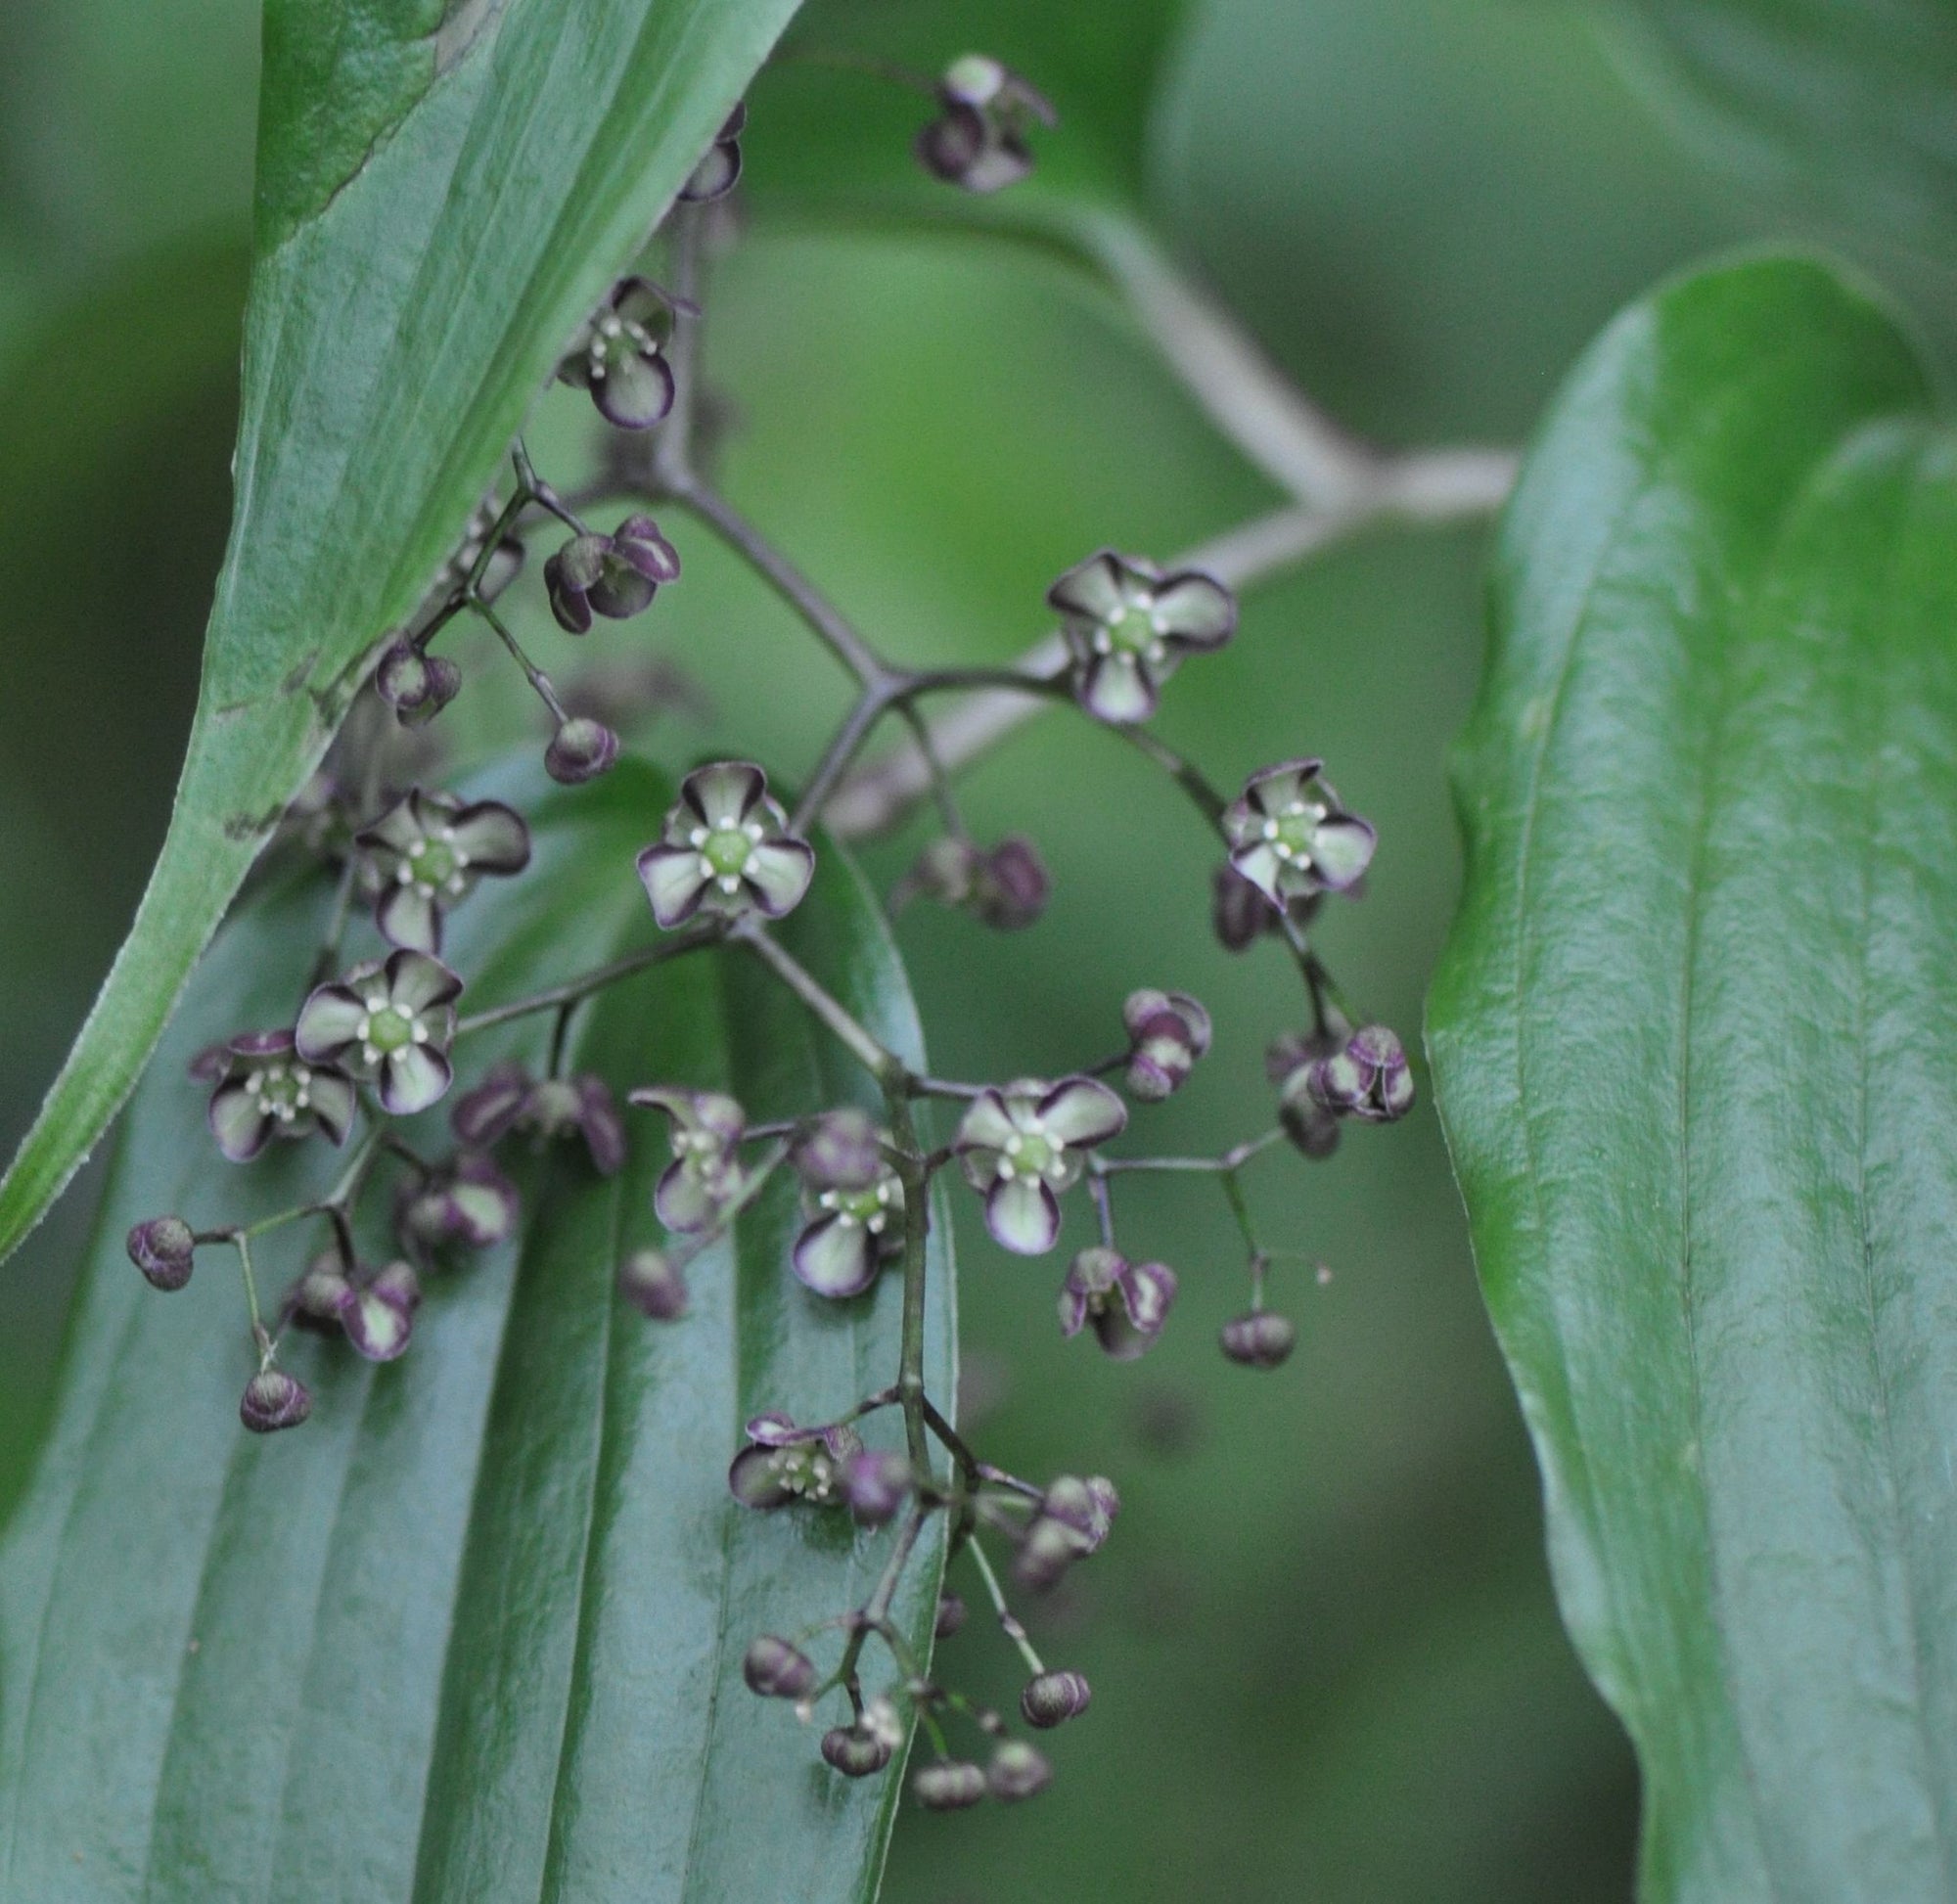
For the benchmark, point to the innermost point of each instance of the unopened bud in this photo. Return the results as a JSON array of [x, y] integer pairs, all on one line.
[[1167, 1032], [1261, 1339], [777, 1671], [273, 1400], [402, 678], [581, 749], [876, 1483], [951, 1611], [854, 1750], [1053, 1698], [444, 682], [950, 1785], [162, 1248], [654, 1284], [1012, 886], [840, 1152], [1018, 1771]]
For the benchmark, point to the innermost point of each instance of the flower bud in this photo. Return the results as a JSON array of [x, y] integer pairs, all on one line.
[[1167, 1032], [777, 1671], [854, 1750], [1011, 886], [951, 1611], [1239, 912], [1287, 1063], [876, 1483], [654, 1284], [402, 678], [1018, 1771], [951, 1785], [379, 1316], [1261, 1339], [162, 1248], [273, 1400], [443, 681], [840, 1151], [1053, 1698], [580, 750]]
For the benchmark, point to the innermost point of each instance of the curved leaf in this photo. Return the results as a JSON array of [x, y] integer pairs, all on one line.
[[1850, 107], [475, 1632], [1696, 1042], [418, 272]]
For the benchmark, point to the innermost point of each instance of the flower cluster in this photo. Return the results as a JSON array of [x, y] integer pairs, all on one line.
[[379, 1038]]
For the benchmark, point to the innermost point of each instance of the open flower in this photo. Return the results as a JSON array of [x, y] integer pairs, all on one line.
[[614, 575], [850, 1235], [1290, 837], [428, 850], [1126, 1302], [509, 1098], [979, 139], [783, 1464], [391, 1021], [266, 1089], [704, 1176], [720, 168], [467, 1200], [727, 849], [1022, 1146], [1167, 1032], [619, 357], [1128, 627]]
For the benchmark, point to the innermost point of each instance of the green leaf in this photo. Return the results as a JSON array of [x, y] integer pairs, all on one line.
[[412, 289], [1854, 108], [475, 1632], [1696, 1042]]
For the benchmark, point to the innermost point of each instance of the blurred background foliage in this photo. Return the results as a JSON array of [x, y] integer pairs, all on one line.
[[1326, 1659]]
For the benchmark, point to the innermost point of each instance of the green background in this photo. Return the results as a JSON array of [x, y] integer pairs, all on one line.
[[1326, 1660]]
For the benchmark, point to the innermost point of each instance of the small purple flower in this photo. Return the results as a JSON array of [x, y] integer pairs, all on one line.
[[1018, 1771], [1129, 626], [854, 1750], [727, 849], [948, 1785], [390, 1021], [1261, 1339], [1021, 1146], [164, 1250], [777, 1671], [1005, 887], [876, 1483], [266, 1088], [1287, 1063], [1073, 1521], [704, 1175], [614, 575], [850, 1235], [377, 1310], [783, 1464], [1369, 1080], [841, 1150], [1290, 837], [1053, 1698], [1167, 1032], [654, 1284], [580, 751], [312, 1304], [720, 168], [619, 357], [509, 1098], [273, 1400], [441, 682], [467, 1202], [1126, 1302], [428, 850], [979, 139]]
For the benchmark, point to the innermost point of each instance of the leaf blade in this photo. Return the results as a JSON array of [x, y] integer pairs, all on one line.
[[1632, 1033]]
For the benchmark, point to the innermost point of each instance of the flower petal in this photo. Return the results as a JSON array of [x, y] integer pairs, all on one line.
[[409, 918], [755, 1481], [398, 829], [682, 1201], [635, 392], [484, 1114], [1274, 788], [238, 1122], [986, 1125], [1196, 610], [412, 1078], [722, 793], [1263, 868], [836, 1258], [1117, 688], [673, 882], [1022, 1216], [329, 1023], [603, 1132], [378, 1325], [1091, 589], [1082, 1113], [417, 982], [493, 836], [1342, 849], [334, 1101], [779, 872]]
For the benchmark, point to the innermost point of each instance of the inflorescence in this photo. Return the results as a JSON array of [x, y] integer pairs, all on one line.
[[381, 1038]]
